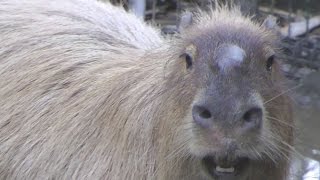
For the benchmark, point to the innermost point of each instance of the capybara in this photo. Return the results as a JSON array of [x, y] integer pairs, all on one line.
[[89, 91]]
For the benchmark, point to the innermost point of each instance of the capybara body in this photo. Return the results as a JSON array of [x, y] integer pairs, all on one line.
[[89, 91]]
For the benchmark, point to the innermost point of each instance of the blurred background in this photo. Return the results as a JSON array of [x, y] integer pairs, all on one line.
[[299, 27]]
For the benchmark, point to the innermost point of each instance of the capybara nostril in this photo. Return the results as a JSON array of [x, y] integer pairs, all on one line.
[[253, 117], [201, 115]]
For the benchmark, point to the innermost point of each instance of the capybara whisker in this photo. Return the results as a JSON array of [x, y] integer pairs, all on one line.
[[282, 93], [283, 123]]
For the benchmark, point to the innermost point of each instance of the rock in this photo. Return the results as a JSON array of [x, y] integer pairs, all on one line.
[[302, 72], [286, 68], [305, 100], [169, 29], [312, 82]]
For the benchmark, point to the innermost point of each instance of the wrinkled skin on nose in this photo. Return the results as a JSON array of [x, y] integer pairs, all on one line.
[[234, 111]]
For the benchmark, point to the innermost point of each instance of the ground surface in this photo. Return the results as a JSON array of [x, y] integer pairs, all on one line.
[[307, 115]]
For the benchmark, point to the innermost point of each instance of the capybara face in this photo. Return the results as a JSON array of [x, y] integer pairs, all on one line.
[[235, 112]]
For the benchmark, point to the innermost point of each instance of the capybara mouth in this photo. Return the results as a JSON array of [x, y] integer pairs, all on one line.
[[223, 168]]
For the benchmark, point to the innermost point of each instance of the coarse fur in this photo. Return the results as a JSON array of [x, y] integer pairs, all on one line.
[[89, 91]]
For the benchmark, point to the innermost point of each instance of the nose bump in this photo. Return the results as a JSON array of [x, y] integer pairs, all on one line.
[[201, 115], [253, 117]]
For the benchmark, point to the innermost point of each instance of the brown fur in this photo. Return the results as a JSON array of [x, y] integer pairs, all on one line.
[[88, 91]]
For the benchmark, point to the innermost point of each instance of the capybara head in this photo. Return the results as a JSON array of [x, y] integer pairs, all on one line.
[[238, 123]]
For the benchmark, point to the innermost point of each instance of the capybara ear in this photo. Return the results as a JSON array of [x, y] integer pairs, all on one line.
[[185, 21], [270, 23]]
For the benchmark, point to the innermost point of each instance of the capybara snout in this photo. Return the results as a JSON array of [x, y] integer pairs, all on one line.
[[248, 116]]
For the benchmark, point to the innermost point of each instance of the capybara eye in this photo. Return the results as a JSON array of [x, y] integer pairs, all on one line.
[[189, 54], [188, 60], [270, 63]]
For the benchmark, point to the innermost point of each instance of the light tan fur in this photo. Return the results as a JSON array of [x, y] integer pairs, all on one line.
[[88, 91]]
